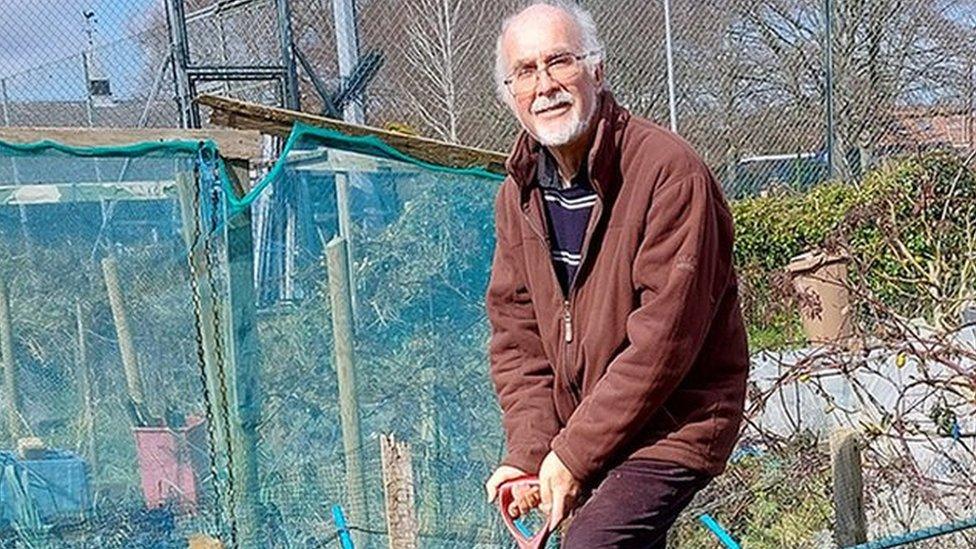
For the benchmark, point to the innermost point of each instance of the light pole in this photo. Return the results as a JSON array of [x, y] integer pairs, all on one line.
[[669, 49], [829, 86]]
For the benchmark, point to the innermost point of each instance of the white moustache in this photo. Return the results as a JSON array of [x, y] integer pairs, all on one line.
[[543, 103]]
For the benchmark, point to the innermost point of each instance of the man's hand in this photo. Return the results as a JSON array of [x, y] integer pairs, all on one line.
[[523, 500], [559, 489]]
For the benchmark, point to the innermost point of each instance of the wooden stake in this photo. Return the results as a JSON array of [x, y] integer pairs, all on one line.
[[850, 526], [233, 382], [243, 360], [83, 373], [401, 515], [342, 333], [130, 365], [430, 497], [10, 395]]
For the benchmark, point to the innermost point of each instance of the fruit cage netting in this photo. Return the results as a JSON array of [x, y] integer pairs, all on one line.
[[183, 360]]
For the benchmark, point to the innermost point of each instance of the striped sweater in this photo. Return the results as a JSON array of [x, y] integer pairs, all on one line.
[[567, 214]]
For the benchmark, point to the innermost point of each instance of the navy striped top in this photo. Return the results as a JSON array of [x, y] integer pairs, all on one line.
[[568, 214]]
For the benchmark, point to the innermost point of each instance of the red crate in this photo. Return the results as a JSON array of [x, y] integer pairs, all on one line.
[[173, 464]]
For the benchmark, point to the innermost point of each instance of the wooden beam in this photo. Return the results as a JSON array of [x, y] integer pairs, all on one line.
[[401, 514], [275, 121], [83, 375], [11, 398], [227, 334], [244, 361], [342, 332], [233, 144], [130, 363], [850, 526]]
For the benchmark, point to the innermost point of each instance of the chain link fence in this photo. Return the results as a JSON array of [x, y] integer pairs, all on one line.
[[750, 78], [751, 94]]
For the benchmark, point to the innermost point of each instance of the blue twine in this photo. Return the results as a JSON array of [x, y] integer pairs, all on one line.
[[345, 539], [719, 532], [522, 528]]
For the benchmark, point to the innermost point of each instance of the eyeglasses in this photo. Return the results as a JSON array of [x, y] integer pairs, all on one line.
[[560, 67]]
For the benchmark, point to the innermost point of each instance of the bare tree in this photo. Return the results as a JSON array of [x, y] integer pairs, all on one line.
[[442, 36]]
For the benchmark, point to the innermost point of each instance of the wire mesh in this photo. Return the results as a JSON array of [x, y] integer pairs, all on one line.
[[750, 81]]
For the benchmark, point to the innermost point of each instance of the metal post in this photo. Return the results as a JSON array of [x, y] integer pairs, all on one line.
[[223, 44], [292, 100], [4, 100], [347, 49], [829, 84], [969, 106], [669, 49], [176, 21], [86, 58]]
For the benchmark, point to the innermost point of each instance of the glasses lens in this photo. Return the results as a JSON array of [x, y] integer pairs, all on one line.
[[564, 67], [523, 84]]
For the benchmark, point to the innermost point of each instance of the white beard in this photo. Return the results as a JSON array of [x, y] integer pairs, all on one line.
[[568, 131]]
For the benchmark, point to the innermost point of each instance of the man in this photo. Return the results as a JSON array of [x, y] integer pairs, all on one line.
[[618, 349]]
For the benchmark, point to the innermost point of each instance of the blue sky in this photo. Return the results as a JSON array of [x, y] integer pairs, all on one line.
[[39, 33]]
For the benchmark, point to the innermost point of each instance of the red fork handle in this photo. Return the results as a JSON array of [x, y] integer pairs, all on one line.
[[505, 499]]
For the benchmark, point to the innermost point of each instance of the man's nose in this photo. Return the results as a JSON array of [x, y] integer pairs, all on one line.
[[545, 84]]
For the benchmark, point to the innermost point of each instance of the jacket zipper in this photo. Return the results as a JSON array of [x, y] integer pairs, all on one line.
[[568, 302], [571, 292]]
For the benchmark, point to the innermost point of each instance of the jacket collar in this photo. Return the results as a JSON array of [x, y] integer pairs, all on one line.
[[602, 159]]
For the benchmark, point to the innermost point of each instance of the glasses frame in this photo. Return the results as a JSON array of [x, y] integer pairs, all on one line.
[[510, 80]]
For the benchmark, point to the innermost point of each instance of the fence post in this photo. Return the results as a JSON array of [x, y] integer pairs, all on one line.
[[133, 378], [228, 334], [85, 387], [401, 515], [850, 523], [9, 364], [342, 333]]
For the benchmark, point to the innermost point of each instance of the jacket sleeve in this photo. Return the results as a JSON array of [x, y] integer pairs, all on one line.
[[522, 375], [682, 267]]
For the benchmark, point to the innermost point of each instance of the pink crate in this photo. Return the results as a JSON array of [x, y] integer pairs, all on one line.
[[173, 463]]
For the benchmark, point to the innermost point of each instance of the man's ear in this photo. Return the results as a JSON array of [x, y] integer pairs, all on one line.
[[599, 75]]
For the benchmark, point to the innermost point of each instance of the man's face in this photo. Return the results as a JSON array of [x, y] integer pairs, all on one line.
[[555, 112]]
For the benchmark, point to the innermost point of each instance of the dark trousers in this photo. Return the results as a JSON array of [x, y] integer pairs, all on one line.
[[634, 506]]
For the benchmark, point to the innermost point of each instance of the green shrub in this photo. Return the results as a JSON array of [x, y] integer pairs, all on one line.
[[907, 225]]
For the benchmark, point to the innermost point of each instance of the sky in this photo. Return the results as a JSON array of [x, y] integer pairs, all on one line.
[[42, 33]]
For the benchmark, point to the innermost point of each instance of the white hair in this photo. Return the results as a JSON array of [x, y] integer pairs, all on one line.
[[588, 35]]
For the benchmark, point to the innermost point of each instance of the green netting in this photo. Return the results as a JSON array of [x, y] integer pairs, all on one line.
[[173, 344], [183, 354]]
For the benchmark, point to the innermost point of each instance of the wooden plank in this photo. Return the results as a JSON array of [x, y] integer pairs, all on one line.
[[244, 362], [232, 143], [130, 364], [401, 514], [276, 121], [227, 329], [850, 523], [83, 375], [342, 330], [11, 398]]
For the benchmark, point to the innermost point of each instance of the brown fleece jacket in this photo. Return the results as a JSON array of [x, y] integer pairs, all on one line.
[[647, 356]]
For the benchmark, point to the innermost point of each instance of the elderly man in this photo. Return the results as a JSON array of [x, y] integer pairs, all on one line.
[[618, 349]]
